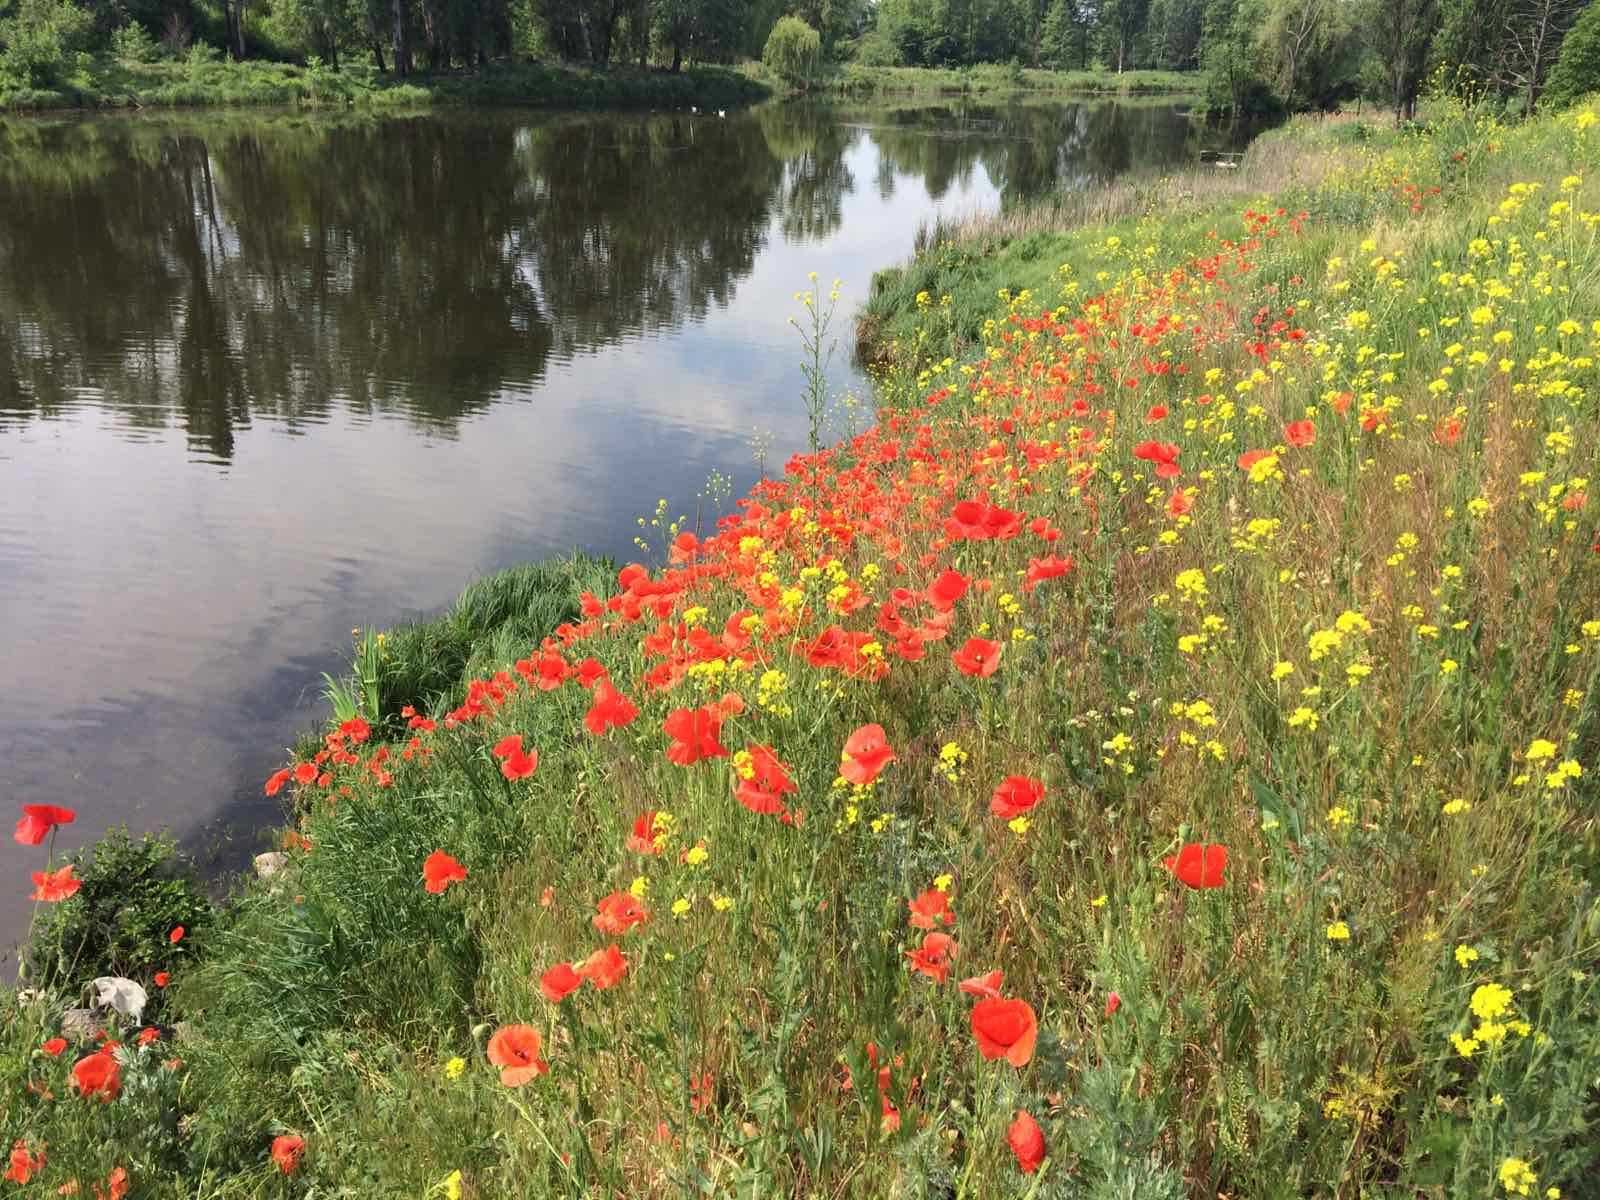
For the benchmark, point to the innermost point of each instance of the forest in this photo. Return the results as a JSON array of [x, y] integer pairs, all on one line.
[[1247, 55]]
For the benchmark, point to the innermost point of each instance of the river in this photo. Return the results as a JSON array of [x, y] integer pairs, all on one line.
[[265, 378]]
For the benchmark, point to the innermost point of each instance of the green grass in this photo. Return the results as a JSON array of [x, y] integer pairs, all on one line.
[[1366, 662], [220, 83], [853, 79]]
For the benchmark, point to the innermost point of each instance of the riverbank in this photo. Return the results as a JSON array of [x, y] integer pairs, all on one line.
[[1159, 757], [213, 82]]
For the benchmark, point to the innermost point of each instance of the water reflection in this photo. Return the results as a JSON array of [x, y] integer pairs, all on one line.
[[264, 378]]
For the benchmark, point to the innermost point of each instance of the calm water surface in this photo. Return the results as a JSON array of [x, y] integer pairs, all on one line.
[[267, 378]]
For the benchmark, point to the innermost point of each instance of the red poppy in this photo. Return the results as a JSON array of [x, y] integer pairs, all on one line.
[[932, 958], [276, 781], [1041, 569], [98, 1075], [1113, 1002], [762, 781], [620, 912], [519, 765], [610, 710], [643, 838], [147, 1035], [1015, 795], [286, 1151], [507, 746], [176, 935], [54, 1046], [979, 657], [116, 1185], [1164, 455], [440, 870], [1026, 1141], [38, 820], [604, 968], [50, 887], [944, 591], [515, 1050], [1179, 503], [305, 773], [695, 734], [1198, 864], [984, 987], [162, 978], [1300, 433], [931, 909], [1251, 457], [23, 1163], [559, 982], [1005, 1029], [866, 754]]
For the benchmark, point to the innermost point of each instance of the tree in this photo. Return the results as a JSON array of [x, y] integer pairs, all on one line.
[[1533, 32], [1577, 69], [41, 38], [1293, 31], [1400, 33], [1123, 23], [794, 51]]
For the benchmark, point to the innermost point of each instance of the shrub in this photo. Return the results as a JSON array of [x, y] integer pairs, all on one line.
[[1577, 70], [133, 44], [42, 41], [794, 52], [134, 894]]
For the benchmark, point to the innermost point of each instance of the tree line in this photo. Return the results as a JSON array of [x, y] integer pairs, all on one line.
[[1253, 55]]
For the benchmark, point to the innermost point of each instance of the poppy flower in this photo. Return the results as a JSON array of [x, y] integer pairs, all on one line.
[[1300, 433], [1163, 455], [1026, 1141], [1113, 1002], [1199, 864], [507, 746], [984, 987], [148, 1035], [980, 657], [620, 912], [610, 710], [643, 838], [286, 1151], [604, 968], [931, 909], [695, 734], [515, 1050], [162, 978], [305, 773], [1041, 569], [98, 1075], [440, 870], [176, 935], [761, 780], [866, 754], [38, 820], [519, 764], [559, 982], [54, 1046], [944, 591], [1005, 1029], [276, 781], [51, 887], [932, 958], [1251, 457], [23, 1163], [116, 1185], [1015, 795]]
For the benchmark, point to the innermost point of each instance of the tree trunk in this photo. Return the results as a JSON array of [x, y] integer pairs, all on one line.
[[677, 57], [402, 40]]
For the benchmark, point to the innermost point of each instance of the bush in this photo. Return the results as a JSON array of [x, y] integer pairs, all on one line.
[[42, 41], [132, 44], [876, 50], [133, 894], [1577, 70], [794, 52]]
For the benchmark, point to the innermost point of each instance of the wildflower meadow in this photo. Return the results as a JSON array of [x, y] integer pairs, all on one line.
[[1156, 759]]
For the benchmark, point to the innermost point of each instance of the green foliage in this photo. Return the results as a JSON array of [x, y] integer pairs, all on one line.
[[40, 42], [1577, 71], [134, 893], [794, 52], [132, 45]]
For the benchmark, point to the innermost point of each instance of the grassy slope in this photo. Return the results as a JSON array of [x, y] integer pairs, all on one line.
[[107, 84], [1402, 836]]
